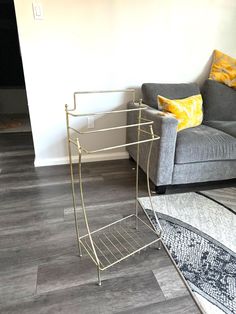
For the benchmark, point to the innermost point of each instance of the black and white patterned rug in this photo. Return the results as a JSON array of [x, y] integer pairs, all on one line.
[[208, 266]]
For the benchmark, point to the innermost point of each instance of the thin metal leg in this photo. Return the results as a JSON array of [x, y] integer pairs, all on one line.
[[75, 212], [73, 185], [137, 167], [148, 185], [99, 276], [83, 204]]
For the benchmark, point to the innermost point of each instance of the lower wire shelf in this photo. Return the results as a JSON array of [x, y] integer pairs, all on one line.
[[119, 240]]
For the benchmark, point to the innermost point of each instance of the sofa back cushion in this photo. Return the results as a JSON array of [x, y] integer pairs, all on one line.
[[219, 101], [150, 91]]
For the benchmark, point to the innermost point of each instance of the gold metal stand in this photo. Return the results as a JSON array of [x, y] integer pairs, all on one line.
[[117, 241]]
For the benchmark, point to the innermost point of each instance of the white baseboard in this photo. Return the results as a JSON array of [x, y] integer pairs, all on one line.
[[42, 162]]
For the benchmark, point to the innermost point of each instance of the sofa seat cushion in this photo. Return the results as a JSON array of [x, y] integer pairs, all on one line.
[[203, 143], [228, 127]]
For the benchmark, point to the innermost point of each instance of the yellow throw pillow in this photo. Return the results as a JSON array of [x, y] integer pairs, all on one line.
[[223, 69], [188, 111]]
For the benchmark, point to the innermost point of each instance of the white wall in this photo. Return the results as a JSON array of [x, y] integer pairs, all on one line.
[[112, 44]]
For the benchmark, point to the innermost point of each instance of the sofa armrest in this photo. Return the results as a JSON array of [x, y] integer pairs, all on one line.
[[163, 151]]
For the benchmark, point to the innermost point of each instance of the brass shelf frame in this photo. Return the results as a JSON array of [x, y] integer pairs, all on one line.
[[117, 241]]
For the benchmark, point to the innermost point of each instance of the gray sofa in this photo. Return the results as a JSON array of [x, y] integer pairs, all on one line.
[[199, 154]]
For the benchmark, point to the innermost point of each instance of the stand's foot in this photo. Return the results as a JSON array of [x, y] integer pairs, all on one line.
[[99, 277], [79, 249], [159, 245], [160, 189]]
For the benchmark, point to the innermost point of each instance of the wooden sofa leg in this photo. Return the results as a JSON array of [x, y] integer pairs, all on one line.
[[160, 189]]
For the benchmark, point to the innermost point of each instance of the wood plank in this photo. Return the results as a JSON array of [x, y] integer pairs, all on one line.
[[18, 284], [181, 305], [72, 270], [170, 282], [115, 295]]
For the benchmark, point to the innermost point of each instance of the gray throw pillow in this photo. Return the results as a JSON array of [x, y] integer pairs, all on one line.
[[219, 101]]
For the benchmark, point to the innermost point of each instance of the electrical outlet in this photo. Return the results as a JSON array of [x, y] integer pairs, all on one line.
[[91, 122]]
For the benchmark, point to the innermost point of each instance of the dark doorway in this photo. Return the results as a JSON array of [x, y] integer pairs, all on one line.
[[14, 113]]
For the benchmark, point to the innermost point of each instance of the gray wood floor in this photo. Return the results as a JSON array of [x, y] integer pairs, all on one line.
[[40, 271], [12, 123]]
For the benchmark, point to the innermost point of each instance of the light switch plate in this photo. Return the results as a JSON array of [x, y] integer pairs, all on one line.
[[37, 10]]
